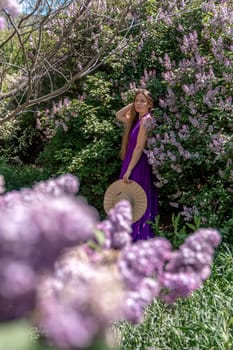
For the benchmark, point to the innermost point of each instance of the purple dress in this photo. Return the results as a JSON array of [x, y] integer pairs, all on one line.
[[142, 174]]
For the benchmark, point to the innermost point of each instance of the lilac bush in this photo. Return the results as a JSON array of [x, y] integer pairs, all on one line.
[[191, 149]]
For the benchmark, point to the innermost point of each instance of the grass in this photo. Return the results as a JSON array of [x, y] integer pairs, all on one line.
[[202, 322]]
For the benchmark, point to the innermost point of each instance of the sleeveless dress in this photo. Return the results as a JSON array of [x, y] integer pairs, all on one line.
[[142, 174]]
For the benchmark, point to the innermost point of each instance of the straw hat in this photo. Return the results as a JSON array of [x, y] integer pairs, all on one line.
[[131, 191]]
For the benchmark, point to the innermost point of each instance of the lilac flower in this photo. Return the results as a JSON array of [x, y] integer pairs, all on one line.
[[117, 227], [35, 227], [187, 155], [210, 128], [52, 224], [193, 121], [176, 168], [188, 213], [143, 259], [186, 89], [217, 144], [153, 56], [180, 28], [148, 123], [189, 266], [184, 132], [17, 278], [171, 156], [167, 62], [132, 85], [63, 184], [65, 327], [173, 204], [76, 294], [137, 300]]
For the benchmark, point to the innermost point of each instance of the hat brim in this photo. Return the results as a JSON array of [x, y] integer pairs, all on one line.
[[131, 191]]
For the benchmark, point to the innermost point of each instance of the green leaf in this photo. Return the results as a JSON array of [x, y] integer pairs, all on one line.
[[100, 236], [17, 336], [191, 226]]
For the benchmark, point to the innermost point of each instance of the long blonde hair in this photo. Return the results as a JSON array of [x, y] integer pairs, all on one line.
[[133, 118]]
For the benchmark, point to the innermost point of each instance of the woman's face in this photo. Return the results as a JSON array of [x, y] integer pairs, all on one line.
[[141, 104]]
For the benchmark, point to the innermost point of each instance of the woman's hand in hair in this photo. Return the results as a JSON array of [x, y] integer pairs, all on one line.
[[124, 113]]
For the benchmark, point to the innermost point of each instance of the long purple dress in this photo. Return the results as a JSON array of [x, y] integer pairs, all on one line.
[[142, 174]]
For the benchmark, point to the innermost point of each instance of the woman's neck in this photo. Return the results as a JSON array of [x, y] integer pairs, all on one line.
[[140, 116]]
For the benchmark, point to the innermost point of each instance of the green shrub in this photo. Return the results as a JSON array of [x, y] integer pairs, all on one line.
[[18, 176], [89, 146]]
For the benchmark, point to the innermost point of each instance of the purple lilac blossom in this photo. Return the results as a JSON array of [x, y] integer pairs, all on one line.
[[62, 185], [152, 270], [117, 227], [137, 300], [32, 232], [143, 259], [35, 227], [78, 303], [189, 266]]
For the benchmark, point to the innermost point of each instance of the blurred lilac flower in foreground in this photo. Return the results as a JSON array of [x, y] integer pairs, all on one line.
[[62, 185], [77, 303], [117, 227], [35, 227], [151, 269], [190, 265], [139, 265], [78, 275]]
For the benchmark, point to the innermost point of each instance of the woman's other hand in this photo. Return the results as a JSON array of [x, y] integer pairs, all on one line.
[[127, 176]]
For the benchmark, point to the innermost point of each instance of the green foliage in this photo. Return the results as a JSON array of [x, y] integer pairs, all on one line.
[[177, 231], [20, 140], [90, 147], [17, 336], [20, 176]]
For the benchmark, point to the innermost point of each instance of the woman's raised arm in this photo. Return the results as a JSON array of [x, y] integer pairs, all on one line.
[[123, 113]]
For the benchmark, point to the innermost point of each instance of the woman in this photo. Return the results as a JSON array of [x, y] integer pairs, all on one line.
[[136, 117]]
